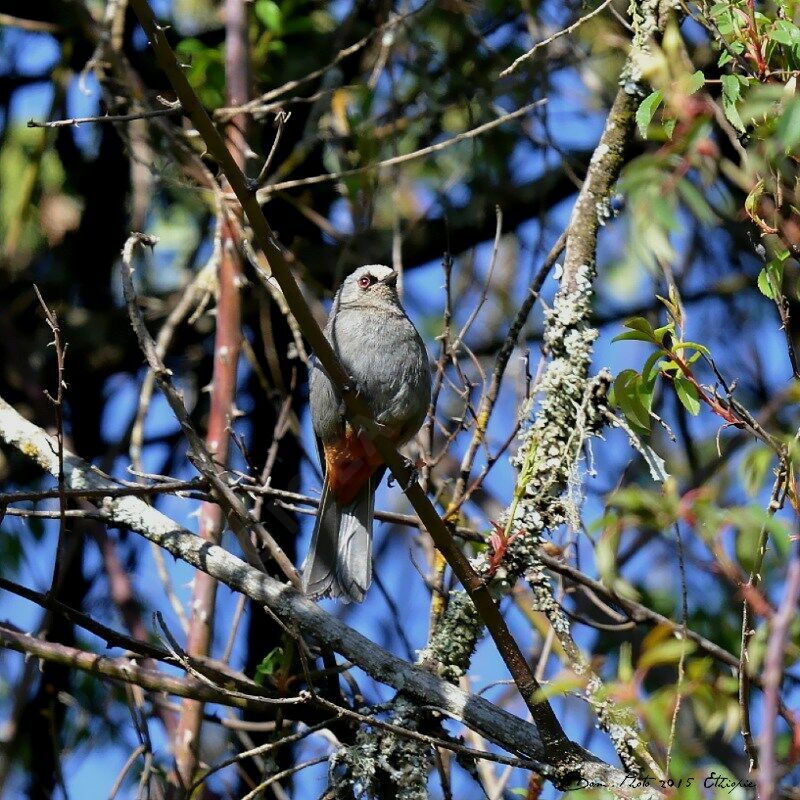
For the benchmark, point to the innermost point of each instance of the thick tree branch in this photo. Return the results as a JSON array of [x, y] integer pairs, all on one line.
[[506, 730], [117, 669]]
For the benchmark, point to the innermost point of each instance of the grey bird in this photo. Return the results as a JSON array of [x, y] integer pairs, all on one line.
[[382, 352]]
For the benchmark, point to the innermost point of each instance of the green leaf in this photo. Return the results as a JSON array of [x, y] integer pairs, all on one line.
[[754, 468], [694, 357], [634, 336], [661, 333], [634, 397], [625, 663], [696, 82], [298, 25], [666, 652], [189, 47], [753, 198], [789, 126], [731, 93], [268, 665], [605, 555], [785, 32], [668, 366], [277, 47], [696, 201], [669, 126], [694, 345], [764, 286], [268, 12], [770, 279], [648, 107], [726, 57], [559, 687], [687, 394], [641, 331], [649, 371], [724, 19]]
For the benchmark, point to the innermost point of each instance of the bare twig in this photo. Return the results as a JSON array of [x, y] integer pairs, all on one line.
[[255, 105], [241, 520], [489, 400], [684, 631], [498, 212], [281, 118], [565, 32], [75, 121], [32, 25], [189, 297], [123, 670], [745, 676], [266, 191], [126, 767], [58, 405]]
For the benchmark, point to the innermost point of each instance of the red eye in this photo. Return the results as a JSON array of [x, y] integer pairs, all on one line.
[[365, 281]]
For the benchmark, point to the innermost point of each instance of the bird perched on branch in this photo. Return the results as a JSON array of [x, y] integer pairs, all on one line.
[[380, 349]]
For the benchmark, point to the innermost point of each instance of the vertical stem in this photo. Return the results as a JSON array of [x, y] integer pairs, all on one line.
[[227, 344], [773, 675]]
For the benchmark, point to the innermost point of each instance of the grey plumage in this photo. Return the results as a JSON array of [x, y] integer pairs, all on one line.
[[381, 350]]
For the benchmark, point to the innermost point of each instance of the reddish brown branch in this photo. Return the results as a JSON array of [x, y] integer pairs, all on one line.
[[227, 344]]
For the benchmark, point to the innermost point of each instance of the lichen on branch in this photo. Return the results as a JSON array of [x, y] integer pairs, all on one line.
[[563, 415]]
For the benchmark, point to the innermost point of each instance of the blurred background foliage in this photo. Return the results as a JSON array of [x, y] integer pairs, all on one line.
[[706, 215]]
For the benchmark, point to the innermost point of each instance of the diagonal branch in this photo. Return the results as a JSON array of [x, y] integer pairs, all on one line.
[[357, 410], [239, 517]]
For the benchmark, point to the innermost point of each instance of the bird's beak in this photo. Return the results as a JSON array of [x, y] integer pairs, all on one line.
[[390, 279]]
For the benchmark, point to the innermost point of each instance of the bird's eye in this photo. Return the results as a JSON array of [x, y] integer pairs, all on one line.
[[365, 281]]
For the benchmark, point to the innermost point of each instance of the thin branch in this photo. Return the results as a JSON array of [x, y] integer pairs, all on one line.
[[134, 490], [58, 405], [241, 520], [266, 191], [31, 25], [166, 333], [261, 750], [281, 118], [566, 31], [489, 400], [111, 637], [125, 671], [75, 121], [745, 676], [498, 213], [254, 106], [126, 768]]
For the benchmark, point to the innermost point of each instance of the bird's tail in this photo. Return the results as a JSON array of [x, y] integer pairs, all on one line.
[[339, 562]]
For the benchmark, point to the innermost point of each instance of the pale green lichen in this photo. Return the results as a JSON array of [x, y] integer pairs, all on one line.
[[644, 21], [381, 764], [450, 649]]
